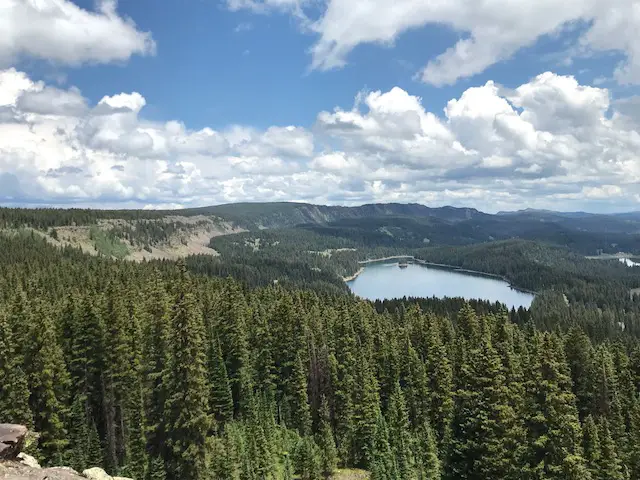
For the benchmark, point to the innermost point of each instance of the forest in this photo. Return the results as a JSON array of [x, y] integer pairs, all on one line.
[[388, 225], [165, 370]]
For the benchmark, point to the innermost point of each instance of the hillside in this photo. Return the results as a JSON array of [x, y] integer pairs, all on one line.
[[152, 372], [170, 234]]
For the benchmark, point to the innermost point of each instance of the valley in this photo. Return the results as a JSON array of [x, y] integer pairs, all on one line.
[[284, 341]]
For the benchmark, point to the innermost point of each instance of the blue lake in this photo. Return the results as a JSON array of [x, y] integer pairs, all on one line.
[[381, 281]]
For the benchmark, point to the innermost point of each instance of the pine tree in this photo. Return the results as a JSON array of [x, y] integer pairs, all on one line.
[[117, 376], [221, 400], [633, 461], [232, 312], [366, 405], [84, 446], [428, 464], [382, 464], [300, 412], [326, 442], [259, 454], [440, 388], [49, 383], [486, 428], [610, 466], [555, 447], [14, 394], [591, 446], [415, 383], [186, 406], [155, 353], [288, 468], [86, 356], [579, 352], [155, 470], [307, 460], [399, 436], [343, 364]]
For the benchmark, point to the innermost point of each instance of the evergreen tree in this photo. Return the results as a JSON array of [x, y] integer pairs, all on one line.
[[155, 470], [555, 447], [49, 383], [307, 460], [428, 464], [366, 405], [486, 429], [86, 450], [14, 394], [221, 400], [300, 412], [186, 406], [382, 464], [155, 354], [232, 312], [399, 436], [592, 447], [440, 372], [326, 442], [610, 466]]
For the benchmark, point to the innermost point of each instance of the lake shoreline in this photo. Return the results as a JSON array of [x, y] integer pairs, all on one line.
[[354, 276], [437, 265]]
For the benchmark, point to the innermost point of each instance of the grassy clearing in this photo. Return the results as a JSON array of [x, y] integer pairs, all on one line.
[[350, 474], [107, 244]]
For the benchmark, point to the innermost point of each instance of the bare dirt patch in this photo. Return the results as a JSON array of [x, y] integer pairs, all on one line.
[[192, 238]]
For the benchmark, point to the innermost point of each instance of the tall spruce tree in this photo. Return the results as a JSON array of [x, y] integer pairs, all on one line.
[[555, 446], [49, 384], [591, 446], [400, 439], [428, 465], [186, 408], [14, 394], [326, 441], [155, 354], [610, 466], [486, 429], [220, 400]]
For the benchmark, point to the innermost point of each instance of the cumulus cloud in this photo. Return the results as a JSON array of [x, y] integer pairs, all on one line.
[[264, 6], [489, 32], [549, 143], [62, 32]]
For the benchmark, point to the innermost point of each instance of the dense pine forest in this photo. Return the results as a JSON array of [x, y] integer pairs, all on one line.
[[160, 370]]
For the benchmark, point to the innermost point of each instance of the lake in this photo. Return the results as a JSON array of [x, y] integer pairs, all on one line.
[[380, 281]]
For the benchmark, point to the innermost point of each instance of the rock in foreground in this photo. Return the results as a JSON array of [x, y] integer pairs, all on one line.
[[15, 465], [11, 440]]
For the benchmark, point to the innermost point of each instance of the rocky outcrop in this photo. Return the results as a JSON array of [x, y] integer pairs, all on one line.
[[11, 440], [13, 470], [17, 465], [99, 474], [28, 460]]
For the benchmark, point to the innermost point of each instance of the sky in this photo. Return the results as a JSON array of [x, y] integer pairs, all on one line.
[[496, 105]]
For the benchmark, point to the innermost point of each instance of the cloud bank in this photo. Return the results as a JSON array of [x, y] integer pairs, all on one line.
[[550, 143], [489, 32], [61, 32]]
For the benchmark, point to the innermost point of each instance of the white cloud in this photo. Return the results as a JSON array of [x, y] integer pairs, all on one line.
[[52, 101], [550, 143], [264, 6], [489, 32], [62, 32]]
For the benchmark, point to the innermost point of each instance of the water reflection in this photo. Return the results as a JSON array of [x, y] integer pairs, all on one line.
[[380, 281]]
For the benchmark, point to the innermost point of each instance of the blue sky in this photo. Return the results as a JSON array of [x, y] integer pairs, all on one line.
[[509, 105], [214, 67]]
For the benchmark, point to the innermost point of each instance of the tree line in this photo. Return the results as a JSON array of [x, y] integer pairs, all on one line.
[[153, 372]]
